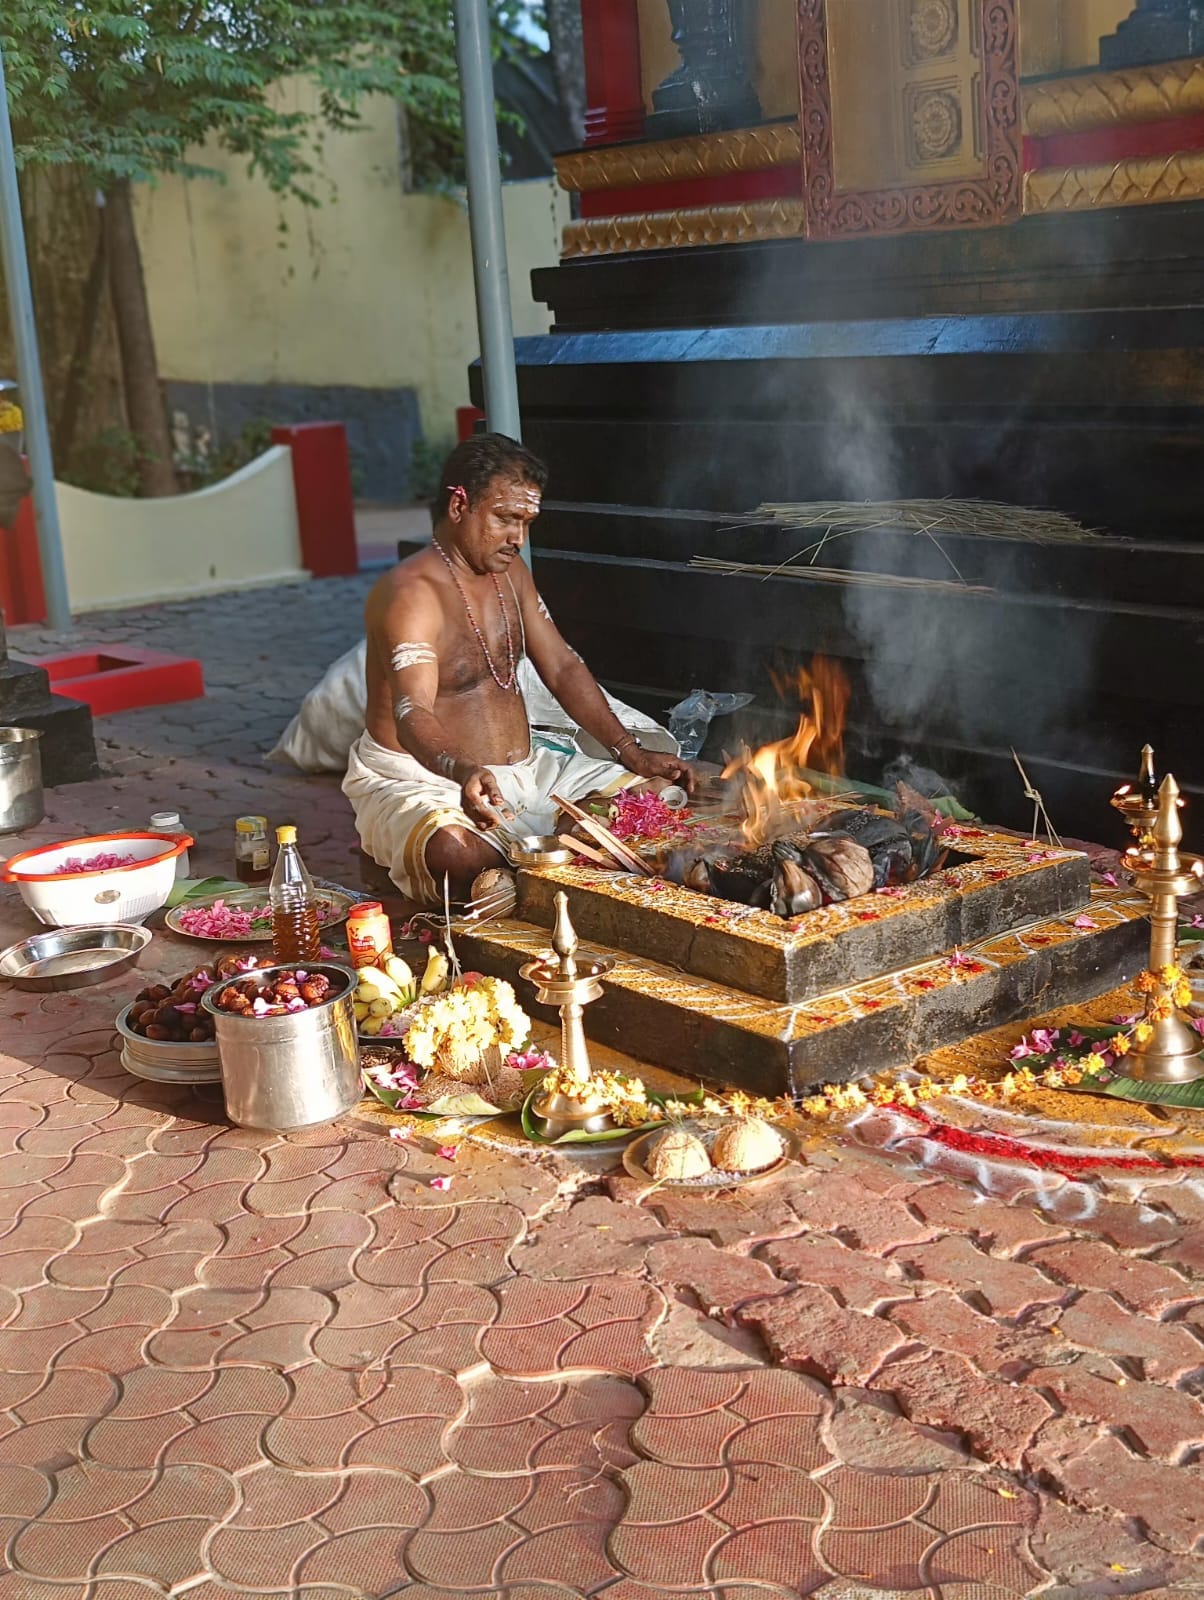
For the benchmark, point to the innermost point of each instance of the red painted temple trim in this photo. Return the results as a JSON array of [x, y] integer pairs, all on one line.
[[1122, 142], [726, 188], [613, 91]]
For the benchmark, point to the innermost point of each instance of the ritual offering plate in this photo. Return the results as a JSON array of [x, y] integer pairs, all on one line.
[[639, 1156], [244, 916]]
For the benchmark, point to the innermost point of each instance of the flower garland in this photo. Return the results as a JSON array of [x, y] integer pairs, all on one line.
[[458, 1027]]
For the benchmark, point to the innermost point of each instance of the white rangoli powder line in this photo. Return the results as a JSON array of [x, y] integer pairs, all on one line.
[[412, 653]]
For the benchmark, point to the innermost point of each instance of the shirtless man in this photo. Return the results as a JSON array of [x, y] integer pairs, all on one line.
[[447, 752]]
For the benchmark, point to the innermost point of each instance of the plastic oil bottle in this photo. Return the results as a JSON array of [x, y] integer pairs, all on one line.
[[296, 933]]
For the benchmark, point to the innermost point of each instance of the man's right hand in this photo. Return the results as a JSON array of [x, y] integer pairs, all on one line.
[[482, 800]]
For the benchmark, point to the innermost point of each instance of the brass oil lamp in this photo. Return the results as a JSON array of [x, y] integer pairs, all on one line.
[[1174, 1052], [570, 984]]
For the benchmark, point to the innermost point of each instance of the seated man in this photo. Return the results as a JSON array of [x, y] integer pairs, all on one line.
[[446, 755]]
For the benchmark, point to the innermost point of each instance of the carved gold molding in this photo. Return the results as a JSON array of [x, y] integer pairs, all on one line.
[[1104, 99], [701, 156], [675, 230], [1139, 181]]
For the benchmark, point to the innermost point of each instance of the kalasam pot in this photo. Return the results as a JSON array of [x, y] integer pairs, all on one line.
[[293, 1071], [22, 804]]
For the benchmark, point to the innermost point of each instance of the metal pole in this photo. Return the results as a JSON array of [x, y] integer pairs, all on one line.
[[29, 375], [485, 221]]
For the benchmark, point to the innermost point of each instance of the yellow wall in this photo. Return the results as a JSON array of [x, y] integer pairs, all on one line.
[[374, 288]]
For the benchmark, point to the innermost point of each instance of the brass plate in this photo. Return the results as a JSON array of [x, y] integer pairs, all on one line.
[[636, 1152]]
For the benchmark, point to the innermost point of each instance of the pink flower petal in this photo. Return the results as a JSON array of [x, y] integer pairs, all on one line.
[[440, 1183], [399, 1134], [449, 1152], [1085, 922], [1110, 879]]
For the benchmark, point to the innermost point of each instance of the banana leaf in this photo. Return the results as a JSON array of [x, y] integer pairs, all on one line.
[[469, 1104], [1187, 1095], [608, 1135]]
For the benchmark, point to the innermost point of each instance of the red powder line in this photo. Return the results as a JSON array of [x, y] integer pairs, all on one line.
[[1003, 1148]]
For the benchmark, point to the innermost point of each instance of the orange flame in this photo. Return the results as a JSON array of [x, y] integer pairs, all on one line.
[[772, 778]]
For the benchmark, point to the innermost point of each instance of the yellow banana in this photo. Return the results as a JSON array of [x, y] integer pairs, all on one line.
[[436, 974]]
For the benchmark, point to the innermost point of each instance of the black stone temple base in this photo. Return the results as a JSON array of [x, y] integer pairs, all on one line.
[[718, 1034], [67, 746]]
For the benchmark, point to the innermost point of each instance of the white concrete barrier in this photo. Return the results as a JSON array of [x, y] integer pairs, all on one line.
[[235, 534]]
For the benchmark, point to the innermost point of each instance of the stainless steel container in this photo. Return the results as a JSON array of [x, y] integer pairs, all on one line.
[[294, 1071], [21, 801]]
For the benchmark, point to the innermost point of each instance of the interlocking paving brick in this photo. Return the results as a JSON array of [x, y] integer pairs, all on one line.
[[1148, 1286], [861, 1282], [181, 1291], [943, 1391], [1168, 1501], [868, 1430], [1007, 1288], [1165, 1350], [857, 1210], [808, 1330], [1165, 1421]]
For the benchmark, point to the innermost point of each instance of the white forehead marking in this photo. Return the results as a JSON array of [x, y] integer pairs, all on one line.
[[411, 653], [403, 708]]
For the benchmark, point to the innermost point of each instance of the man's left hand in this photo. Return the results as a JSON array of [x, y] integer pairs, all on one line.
[[656, 764]]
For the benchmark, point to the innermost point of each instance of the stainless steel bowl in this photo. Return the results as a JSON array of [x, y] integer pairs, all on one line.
[[72, 958], [540, 850]]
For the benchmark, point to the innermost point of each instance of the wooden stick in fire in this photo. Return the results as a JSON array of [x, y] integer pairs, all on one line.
[[615, 848]]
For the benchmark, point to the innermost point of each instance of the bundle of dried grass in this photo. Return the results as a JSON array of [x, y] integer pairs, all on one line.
[[840, 575], [987, 519]]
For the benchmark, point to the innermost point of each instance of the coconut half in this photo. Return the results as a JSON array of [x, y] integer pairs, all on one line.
[[678, 1156], [747, 1145]]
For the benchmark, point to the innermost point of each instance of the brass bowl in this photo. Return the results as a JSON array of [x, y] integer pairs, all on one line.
[[540, 850]]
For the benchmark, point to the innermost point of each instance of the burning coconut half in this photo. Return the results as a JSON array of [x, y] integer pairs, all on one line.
[[796, 850]]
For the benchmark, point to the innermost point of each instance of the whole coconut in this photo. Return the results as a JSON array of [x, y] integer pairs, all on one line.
[[497, 886], [748, 1145], [677, 1156]]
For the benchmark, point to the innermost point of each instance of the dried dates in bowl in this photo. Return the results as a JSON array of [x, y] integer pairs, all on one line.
[[285, 991]]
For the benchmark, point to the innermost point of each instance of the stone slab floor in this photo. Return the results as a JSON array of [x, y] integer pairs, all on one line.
[[236, 1365]]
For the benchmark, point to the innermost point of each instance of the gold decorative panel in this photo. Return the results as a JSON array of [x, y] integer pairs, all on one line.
[[910, 114]]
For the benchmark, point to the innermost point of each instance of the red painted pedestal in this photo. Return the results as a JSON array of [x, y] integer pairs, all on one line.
[[325, 503], [122, 679]]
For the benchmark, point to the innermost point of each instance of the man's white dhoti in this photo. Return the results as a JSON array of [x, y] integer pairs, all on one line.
[[399, 805]]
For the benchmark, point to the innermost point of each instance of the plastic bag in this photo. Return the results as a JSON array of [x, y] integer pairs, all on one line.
[[691, 717]]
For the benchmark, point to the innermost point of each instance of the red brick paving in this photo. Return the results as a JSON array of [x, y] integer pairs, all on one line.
[[233, 1365]]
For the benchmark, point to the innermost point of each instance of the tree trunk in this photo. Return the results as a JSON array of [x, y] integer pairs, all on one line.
[[81, 354], [139, 368], [568, 60]]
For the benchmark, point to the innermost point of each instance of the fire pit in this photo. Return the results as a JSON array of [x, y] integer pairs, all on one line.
[[1000, 928]]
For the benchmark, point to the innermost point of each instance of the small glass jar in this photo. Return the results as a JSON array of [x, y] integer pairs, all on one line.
[[252, 852], [169, 822]]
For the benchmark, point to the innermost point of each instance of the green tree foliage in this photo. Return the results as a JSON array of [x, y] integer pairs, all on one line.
[[123, 90], [126, 89]]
